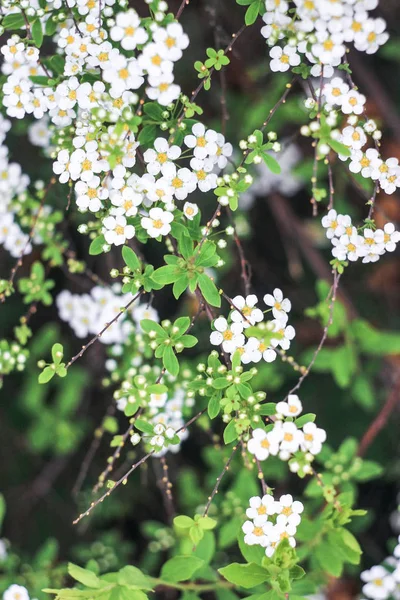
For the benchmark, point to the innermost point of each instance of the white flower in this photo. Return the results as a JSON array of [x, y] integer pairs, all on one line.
[[335, 224], [389, 237], [291, 408], [261, 508], [329, 48], [371, 36], [291, 437], [283, 59], [160, 156], [190, 210], [182, 181], [153, 60], [173, 40], [202, 169], [367, 163], [286, 333], [90, 194], [127, 30], [348, 247], [158, 222], [314, 437], [255, 535], [280, 305], [289, 511], [117, 231], [353, 102], [230, 336], [203, 142], [263, 444], [354, 137], [16, 592], [255, 350], [373, 242], [335, 90], [247, 313], [163, 89], [379, 583], [126, 201]]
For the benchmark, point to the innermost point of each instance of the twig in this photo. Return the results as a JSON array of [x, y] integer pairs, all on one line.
[[333, 292], [107, 326], [94, 446], [219, 478], [381, 418], [124, 478]]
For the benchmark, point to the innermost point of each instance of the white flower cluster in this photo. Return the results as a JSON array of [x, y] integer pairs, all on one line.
[[284, 438], [337, 94], [16, 592], [349, 244], [124, 193], [271, 521], [85, 46], [12, 183], [89, 313], [231, 333], [319, 30], [166, 415], [383, 581]]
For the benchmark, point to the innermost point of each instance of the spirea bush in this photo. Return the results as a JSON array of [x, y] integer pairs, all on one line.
[[157, 195]]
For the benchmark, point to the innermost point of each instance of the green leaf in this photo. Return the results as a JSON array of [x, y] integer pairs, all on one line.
[[209, 290], [252, 13], [57, 353], [206, 256], [253, 554], [267, 409], [183, 521], [230, 433], [148, 325], [374, 342], [144, 426], [166, 274], [338, 147], [188, 340], [307, 418], [88, 578], [37, 33], [47, 374], [147, 136], [13, 21], [369, 470], [170, 361], [154, 111], [213, 406], [247, 576], [180, 286], [130, 258], [96, 247], [271, 163], [182, 324], [329, 559], [132, 576], [206, 523], [181, 568]]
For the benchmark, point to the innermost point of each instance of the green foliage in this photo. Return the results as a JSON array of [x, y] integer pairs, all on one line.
[[169, 339], [35, 288]]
